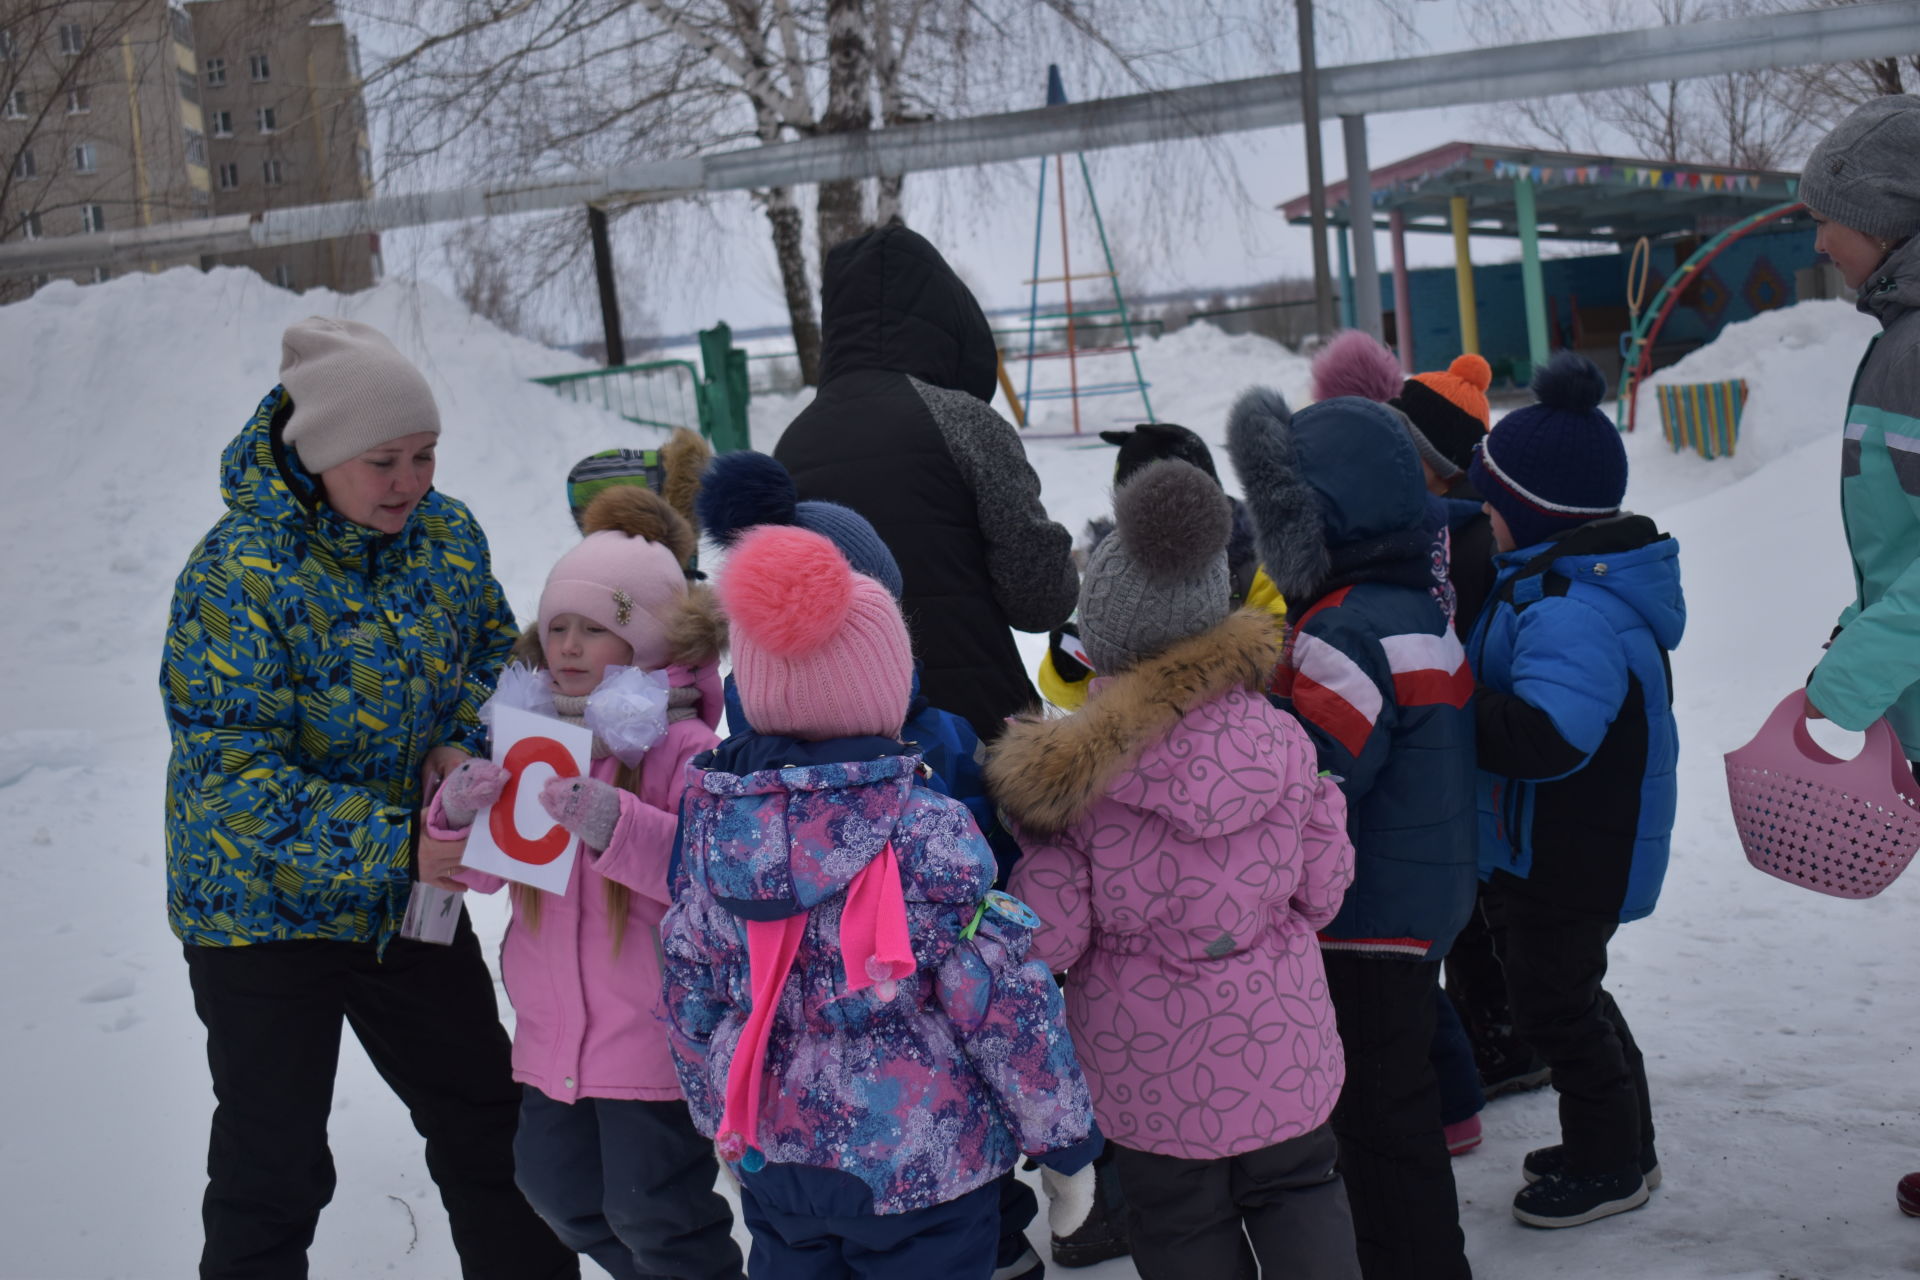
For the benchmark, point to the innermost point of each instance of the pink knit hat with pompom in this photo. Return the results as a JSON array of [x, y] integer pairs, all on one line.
[[819, 651]]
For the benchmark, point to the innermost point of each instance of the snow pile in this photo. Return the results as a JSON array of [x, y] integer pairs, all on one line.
[[1797, 361], [1779, 1026]]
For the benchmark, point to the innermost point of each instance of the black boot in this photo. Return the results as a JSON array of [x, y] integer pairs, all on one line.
[[1103, 1236], [1571, 1200]]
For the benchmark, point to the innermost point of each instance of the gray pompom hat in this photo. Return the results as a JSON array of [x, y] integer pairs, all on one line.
[[1866, 173], [1161, 575]]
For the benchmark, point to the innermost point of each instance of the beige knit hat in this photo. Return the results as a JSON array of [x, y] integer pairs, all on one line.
[[351, 390]]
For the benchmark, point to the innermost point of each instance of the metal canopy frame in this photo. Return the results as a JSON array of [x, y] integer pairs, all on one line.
[[1888, 28], [1470, 188]]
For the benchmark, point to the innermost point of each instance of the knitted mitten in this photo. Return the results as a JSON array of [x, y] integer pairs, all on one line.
[[469, 789], [587, 807]]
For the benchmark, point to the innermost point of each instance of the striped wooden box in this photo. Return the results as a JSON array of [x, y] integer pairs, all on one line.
[[1705, 415]]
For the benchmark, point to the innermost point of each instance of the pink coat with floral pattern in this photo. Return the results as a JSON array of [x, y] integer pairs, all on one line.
[[1181, 890]]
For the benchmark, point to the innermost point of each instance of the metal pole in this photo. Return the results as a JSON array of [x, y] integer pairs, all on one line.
[[1402, 292], [1532, 284], [1366, 267], [609, 294], [1463, 278], [1316, 176]]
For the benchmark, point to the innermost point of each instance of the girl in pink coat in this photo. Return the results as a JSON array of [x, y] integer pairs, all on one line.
[[1182, 850], [607, 1152]]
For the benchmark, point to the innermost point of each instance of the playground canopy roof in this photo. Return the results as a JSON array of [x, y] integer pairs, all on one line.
[[1576, 197]]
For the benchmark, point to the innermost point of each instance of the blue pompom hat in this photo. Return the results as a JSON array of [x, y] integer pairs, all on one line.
[[1558, 463], [744, 490]]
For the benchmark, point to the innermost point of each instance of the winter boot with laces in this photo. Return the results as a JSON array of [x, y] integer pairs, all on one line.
[[1570, 1200], [1546, 1160]]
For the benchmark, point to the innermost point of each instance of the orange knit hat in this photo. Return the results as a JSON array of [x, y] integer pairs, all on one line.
[[1450, 408]]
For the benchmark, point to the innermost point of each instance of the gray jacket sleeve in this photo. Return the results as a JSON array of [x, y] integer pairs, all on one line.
[[1029, 557]]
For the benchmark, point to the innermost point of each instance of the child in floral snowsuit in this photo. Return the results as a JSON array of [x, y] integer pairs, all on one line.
[[853, 1014]]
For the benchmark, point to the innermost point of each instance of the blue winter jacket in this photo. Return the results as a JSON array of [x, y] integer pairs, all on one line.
[[310, 666], [1372, 668], [1577, 743]]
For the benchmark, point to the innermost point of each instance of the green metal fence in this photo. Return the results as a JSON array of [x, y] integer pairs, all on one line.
[[673, 393]]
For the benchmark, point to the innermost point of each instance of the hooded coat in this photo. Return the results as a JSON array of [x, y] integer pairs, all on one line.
[[1182, 849], [587, 1016], [1872, 667], [902, 432], [868, 1105], [1576, 736], [311, 665], [1372, 668]]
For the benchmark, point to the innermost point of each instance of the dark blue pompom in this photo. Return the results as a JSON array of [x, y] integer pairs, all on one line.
[[741, 491], [1570, 381]]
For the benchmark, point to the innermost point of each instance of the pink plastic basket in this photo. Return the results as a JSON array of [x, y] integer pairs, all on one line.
[[1840, 827]]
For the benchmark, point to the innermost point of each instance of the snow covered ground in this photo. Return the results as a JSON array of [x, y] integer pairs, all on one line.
[[1779, 1032]]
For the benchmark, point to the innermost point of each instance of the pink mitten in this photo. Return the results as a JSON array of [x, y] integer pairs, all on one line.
[[469, 789], [587, 807]]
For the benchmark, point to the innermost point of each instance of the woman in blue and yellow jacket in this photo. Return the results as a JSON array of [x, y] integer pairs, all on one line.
[[331, 641]]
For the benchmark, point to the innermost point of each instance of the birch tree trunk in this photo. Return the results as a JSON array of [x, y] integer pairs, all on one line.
[[841, 206], [790, 249]]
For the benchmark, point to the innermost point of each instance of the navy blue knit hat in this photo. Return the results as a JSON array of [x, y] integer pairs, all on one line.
[[1556, 464], [743, 490]]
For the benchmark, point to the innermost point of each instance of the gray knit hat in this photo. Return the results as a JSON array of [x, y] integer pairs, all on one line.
[[351, 390], [1866, 173], [1161, 575]]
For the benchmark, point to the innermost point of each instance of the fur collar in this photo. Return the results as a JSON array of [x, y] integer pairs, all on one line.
[[1046, 774]]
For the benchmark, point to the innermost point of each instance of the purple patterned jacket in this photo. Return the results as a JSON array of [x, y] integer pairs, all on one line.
[[922, 1098], [1183, 852]]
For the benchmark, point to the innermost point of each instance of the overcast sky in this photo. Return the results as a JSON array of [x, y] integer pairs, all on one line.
[[1213, 231]]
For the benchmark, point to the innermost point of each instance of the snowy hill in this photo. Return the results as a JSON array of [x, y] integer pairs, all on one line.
[[1779, 1026]]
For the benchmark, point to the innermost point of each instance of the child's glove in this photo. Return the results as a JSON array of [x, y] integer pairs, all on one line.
[[1069, 1199], [469, 789], [587, 807]]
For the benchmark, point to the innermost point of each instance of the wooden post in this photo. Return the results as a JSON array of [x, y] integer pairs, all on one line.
[[1531, 283], [1402, 292], [609, 293], [1463, 279]]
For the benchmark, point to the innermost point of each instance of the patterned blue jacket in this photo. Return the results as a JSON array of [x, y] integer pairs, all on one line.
[[310, 666]]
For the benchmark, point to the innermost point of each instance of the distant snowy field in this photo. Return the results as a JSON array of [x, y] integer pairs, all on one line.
[[1779, 1026]]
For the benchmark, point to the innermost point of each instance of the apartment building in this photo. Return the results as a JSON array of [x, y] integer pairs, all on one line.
[[280, 92], [117, 114], [100, 122]]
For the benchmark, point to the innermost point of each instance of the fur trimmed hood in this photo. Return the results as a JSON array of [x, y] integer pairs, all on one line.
[[696, 636], [1047, 774], [1339, 474]]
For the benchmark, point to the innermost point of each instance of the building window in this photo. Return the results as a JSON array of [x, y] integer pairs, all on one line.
[[15, 107], [196, 148], [229, 176], [101, 275], [23, 166], [189, 86], [216, 72], [85, 159], [272, 173], [30, 226], [264, 118], [222, 122], [7, 46], [182, 26], [72, 39], [93, 218], [366, 163], [283, 276], [79, 100], [257, 68]]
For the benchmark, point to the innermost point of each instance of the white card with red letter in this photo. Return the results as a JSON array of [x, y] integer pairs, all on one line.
[[514, 838]]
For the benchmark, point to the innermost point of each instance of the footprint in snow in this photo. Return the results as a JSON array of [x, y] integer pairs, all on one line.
[[112, 989]]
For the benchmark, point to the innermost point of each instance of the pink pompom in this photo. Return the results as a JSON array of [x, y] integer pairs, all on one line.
[[1355, 364], [786, 589]]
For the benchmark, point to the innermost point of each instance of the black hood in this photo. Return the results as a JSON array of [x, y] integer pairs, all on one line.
[[891, 303]]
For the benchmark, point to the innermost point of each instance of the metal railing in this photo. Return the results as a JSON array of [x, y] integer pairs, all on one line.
[[659, 393]]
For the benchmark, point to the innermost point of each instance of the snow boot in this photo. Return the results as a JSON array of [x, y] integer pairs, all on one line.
[[1103, 1235], [1909, 1195], [1571, 1200], [1508, 1064], [1462, 1136], [1547, 1160]]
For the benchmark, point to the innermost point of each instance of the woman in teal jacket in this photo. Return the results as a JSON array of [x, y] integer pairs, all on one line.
[[1862, 185], [331, 640]]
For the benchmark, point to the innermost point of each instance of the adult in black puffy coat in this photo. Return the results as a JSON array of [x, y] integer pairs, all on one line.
[[901, 432]]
